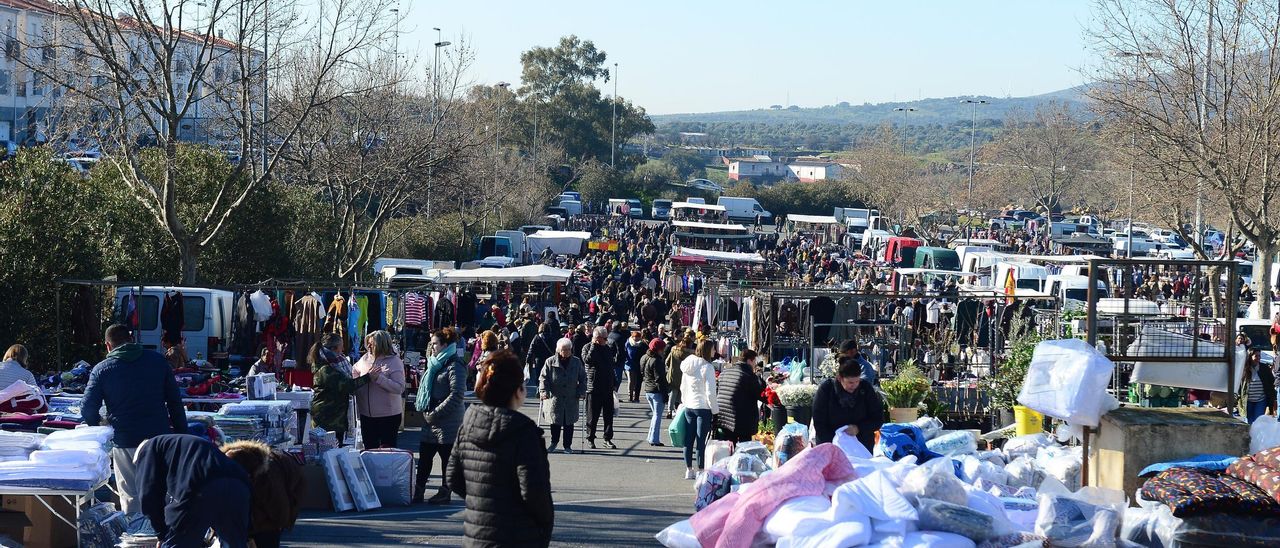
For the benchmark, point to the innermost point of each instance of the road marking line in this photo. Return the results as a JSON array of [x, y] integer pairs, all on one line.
[[453, 509]]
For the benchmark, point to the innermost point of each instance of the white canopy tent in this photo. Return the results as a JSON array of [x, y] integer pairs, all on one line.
[[560, 242], [690, 205], [813, 219], [530, 273], [727, 256], [713, 226]]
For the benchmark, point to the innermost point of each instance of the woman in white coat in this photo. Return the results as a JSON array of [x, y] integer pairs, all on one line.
[[698, 393]]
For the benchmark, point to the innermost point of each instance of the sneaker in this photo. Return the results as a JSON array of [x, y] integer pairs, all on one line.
[[551, 448], [688, 474], [568, 450], [609, 445], [657, 444], [591, 444]]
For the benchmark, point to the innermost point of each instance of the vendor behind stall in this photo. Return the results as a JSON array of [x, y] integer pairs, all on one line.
[[847, 401]]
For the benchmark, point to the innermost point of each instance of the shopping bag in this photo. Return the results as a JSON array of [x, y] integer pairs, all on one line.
[[677, 429]]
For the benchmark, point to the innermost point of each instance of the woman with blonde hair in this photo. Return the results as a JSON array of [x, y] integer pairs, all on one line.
[[14, 367], [381, 401], [486, 345], [698, 392]]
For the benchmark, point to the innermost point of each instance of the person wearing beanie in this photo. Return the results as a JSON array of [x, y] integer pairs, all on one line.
[[654, 372]]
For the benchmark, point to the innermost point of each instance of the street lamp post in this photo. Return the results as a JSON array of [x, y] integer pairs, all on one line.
[[395, 60], [904, 111], [613, 133], [973, 140], [1137, 56], [435, 103]]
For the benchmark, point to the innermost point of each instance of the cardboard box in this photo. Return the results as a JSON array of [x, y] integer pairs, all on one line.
[[316, 496], [45, 530]]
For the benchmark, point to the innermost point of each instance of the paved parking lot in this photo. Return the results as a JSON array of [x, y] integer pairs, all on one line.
[[603, 498]]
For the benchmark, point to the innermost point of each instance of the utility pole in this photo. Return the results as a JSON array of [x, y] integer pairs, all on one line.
[[613, 133], [1201, 115], [266, 37], [904, 111], [973, 149], [1137, 57]]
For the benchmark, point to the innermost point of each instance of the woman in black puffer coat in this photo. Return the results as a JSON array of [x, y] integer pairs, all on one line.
[[499, 463], [738, 393]]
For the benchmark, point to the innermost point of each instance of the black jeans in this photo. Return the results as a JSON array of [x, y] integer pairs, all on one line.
[[635, 383], [427, 450], [378, 432], [597, 404], [556, 429]]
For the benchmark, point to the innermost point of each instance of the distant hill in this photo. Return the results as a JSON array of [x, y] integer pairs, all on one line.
[[937, 126], [928, 111]]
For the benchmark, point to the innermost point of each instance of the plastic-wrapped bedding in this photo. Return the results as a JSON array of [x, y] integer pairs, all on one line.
[[391, 471], [936, 515], [1069, 521], [717, 450], [678, 535], [934, 480], [753, 448], [1191, 492], [960, 442]]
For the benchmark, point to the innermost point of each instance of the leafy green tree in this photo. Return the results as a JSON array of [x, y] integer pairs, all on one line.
[[50, 230], [689, 164], [652, 175], [561, 103]]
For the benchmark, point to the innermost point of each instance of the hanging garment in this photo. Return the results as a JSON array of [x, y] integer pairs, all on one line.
[[316, 296], [354, 316], [171, 317], [307, 327], [244, 337], [415, 310], [821, 311], [261, 306], [273, 332], [337, 320]]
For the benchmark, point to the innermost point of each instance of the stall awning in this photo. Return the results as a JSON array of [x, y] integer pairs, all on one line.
[[689, 205], [530, 273], [813, 219], [729, 256], [560, 242], [714, 226]]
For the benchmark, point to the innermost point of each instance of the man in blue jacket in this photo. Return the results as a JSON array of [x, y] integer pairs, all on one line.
[[142, 401], [186, 486]]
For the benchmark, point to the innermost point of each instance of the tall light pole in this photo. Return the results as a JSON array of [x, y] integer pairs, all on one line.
[[435, 102], [613, 133], [266, 37], [973, 149], [395, 61], [1137, 56], [904, 111]]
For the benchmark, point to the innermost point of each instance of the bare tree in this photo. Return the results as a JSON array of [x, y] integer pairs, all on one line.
[[1049, 151], [379, 153], [1201, 82], [138, 73]]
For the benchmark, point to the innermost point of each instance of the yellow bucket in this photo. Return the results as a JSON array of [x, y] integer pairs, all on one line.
[[1027, 420]]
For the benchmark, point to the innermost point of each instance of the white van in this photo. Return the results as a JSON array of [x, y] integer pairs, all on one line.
[[571, 207], [519, 250], [206, 323], [983, 264], [874, 240], [1025, 275], [744, 209], [1072, 290]]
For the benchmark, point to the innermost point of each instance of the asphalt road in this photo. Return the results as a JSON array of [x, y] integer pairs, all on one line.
[[606, 497]]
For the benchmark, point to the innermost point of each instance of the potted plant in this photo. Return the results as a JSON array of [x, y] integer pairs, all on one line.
[[798, 399], [1005, 384], [777, 413], [905, 392]]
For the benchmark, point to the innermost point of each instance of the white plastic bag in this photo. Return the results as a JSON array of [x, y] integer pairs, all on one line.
[[718, 450], [1024, 472], [678, 535], [753, 448], [1067, 380], [929, 426], [853, 449], [1264, 434], [745, 468], [936, 515], [1088, 517], [1026, 446], [1062, 463], [936, 480], [975, 470]]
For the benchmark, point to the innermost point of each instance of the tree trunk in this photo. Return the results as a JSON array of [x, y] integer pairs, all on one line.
[[188, 260], [1262, 274]]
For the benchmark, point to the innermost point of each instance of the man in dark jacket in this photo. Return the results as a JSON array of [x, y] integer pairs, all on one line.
[[617, 340], [187, 486], [600, 357], [847, 401], [737, 393], [142, 402]]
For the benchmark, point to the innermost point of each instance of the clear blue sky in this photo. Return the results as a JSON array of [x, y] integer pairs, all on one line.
[[710, 55]]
